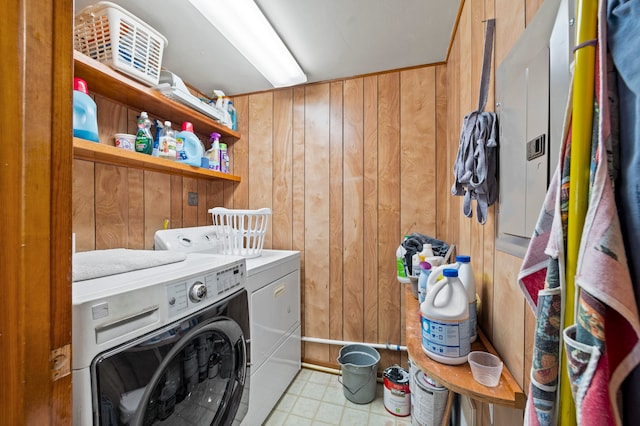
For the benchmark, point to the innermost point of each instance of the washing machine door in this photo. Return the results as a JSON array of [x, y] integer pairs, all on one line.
[[197, 377]]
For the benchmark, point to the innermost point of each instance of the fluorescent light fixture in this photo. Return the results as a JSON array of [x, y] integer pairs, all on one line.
[[247, 29]]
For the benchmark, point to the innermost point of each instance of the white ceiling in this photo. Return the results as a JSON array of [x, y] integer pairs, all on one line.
[[329, 38]]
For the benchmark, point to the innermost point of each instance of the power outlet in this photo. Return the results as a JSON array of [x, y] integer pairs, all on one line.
[[193, 199]]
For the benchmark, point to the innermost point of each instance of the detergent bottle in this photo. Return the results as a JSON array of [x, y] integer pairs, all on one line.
[[85, 119], [144, 140], [445, 321], [167, 142], [189, 149]]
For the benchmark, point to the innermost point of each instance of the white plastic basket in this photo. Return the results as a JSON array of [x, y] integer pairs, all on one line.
[[110, 34], [241, 231]]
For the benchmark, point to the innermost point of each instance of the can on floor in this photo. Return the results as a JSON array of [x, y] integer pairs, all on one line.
[[397, 396], [429, 400]]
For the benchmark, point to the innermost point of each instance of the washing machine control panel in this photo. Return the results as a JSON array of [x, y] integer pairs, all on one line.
[[198, 291], [194, 292]]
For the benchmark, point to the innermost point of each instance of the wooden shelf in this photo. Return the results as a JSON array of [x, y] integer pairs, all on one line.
[[458, 378], [107, 154], [110, 83]]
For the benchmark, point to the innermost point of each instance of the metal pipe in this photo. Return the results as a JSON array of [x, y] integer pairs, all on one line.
[[387, 345]]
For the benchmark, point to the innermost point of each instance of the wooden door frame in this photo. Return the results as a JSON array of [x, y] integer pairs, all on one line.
[[35, 201]]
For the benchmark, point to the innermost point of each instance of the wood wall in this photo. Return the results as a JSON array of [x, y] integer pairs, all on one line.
[[347, 167]]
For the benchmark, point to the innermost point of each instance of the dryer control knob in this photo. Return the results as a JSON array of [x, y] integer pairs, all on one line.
[[198, 292]]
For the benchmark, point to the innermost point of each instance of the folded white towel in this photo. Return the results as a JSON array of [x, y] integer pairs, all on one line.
[[101, 263]]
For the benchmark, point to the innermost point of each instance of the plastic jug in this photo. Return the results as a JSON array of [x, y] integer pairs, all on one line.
[[445, 321], [465, 273], [85, 118], [189, 149]]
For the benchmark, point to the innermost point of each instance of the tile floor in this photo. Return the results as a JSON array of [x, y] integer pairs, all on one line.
[[317, 398]]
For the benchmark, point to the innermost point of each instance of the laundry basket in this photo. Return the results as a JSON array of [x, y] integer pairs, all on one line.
[[241, 231], [110, 34]]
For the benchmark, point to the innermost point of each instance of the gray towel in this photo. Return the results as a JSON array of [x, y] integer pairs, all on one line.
[[101, 263]]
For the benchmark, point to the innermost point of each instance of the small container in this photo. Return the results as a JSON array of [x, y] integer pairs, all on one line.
[[485, 367], [125, 141]]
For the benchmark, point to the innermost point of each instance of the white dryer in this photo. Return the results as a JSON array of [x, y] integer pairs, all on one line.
[[162, 345], [273, 282]]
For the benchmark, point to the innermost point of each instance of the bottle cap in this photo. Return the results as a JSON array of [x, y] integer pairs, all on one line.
[[80, 85], [167, 123], [450, 272], [463, 259], [188, 126], [215, 135], [425, 265]]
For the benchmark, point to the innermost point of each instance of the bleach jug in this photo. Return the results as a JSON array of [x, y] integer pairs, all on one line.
[[445, 321], [85, 119], [465, 273], [189, 149]]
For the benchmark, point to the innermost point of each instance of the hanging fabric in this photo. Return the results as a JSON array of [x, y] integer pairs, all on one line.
[[476, 163], [603, 346], [624, 43]]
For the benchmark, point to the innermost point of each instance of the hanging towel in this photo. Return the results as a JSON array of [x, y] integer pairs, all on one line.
[[101, 263], [607, 311]]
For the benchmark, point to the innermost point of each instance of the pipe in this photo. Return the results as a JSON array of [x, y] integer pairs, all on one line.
[[328, 370], [387, 346]]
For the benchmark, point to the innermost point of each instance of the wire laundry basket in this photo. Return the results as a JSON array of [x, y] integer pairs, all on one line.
[[241, 231]]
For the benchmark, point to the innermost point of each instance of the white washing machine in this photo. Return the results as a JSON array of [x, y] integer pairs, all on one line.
[[162, 345], [273, 282]]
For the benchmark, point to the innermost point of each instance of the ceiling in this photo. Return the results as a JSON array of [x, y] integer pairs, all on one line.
[[331, 39]]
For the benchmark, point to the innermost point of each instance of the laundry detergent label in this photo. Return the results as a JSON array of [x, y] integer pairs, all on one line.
[[449, 339]]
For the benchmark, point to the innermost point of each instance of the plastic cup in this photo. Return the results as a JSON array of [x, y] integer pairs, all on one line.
[[485, 367]]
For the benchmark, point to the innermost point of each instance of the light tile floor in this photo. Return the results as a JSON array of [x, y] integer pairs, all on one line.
[[317, 398]]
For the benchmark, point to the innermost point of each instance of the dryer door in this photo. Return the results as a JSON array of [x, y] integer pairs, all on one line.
[[192, 377]]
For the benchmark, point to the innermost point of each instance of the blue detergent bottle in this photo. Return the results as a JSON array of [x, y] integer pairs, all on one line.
[[189, 149], [85, 118]]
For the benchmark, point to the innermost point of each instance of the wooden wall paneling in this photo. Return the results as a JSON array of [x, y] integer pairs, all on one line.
[[176, 197], [531, 7], [241, 154], [316, 197], [510, 21], [215, 196], [205, 189], [35, 314], [352, 180], [417, 157], [297, 202], [467, 104], [442, 169], [157, 204], [418, 150], [112, 119], [485, 319], [111, 206], [389, 232], [370, 208], [339, 267], [132, 121], [454, 123], [509, 318], [477, 244], [282, 219], [135, 204], [261, 154], [189, 213], [83, 205]]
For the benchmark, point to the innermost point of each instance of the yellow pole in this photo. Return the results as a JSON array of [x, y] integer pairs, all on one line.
[[582, 124]]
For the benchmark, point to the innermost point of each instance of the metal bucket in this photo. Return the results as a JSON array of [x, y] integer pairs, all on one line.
[[359, 371]]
